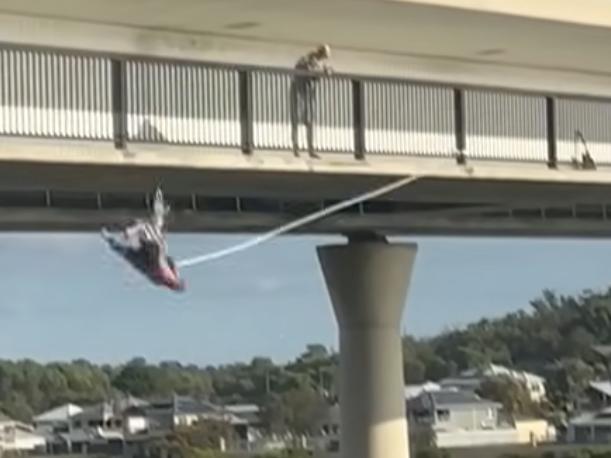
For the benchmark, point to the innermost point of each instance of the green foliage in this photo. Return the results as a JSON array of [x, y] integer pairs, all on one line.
[[292, 396], [204, 435], [553, 339], [513, 395]]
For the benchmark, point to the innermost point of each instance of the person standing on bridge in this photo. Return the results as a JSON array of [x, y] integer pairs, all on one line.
[[303, 94]]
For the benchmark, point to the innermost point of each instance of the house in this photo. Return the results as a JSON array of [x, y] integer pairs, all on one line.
[[185, 411], [56, 420], [472, 379], [593, 424], [249, 412], [127, 423], [453, 410], [597, 396], [454, 418], [16, 436], [328, 430], [590, 427], [97, 428]]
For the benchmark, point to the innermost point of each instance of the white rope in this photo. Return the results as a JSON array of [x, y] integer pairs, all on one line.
[[297, 223]]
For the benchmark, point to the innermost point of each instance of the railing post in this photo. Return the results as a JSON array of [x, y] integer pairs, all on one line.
[[460, 131], [246, 111], [119, 105], [550, 120], [358, 107]]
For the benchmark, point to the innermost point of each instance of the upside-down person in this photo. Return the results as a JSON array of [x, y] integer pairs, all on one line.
[[142, 243]]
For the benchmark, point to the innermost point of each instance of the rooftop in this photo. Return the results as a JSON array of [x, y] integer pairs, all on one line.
[[453, 398], [413, 391], [449, 399], [61, 413], [603, 387]]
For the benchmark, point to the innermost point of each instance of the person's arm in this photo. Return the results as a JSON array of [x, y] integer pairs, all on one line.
[[327, 69]]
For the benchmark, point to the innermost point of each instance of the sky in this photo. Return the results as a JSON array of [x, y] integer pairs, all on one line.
[[66, 296]]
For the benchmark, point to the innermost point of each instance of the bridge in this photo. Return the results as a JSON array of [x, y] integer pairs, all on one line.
[[86, 135], [508, 134]]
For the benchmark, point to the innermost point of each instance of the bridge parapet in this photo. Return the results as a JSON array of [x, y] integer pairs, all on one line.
[[65, 94]]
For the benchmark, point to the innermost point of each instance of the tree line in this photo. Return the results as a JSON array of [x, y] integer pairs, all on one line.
[[554, 338]]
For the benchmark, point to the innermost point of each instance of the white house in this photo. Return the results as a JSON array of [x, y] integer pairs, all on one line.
[[462, 419], [56, 420], [19, 437], [590, 427]]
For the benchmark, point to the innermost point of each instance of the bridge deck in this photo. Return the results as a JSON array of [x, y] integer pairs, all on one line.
[[84, 130]]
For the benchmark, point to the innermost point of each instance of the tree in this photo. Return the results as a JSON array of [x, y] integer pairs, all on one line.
[[304, 410], [513, 395], [205, 435]]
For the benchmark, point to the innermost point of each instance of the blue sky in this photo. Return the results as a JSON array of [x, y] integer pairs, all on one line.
[[65, 296]]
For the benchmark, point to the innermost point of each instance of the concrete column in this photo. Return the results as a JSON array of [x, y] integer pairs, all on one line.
[[367, 281]]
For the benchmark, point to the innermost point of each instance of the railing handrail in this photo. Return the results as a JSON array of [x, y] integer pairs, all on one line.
[[188, 101], [128, 56]]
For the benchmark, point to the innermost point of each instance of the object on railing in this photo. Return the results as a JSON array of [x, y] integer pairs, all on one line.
[[583, 160], [505, 126], [592, 119], [409, 119], [48, 94]]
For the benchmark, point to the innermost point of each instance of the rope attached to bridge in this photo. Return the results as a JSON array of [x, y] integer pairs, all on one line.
[[252, 242]]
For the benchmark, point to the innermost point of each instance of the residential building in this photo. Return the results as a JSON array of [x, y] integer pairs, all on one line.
[[593, 423], [56, 420], [328, 437], [127, 424], [449, 410], [596, 397], [186, 411], [181, 411], [101, 428], [16, 436], [454, 418], [590, 427], [249, 412]]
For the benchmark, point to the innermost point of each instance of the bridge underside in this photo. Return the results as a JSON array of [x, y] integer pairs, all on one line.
[[76, 197]]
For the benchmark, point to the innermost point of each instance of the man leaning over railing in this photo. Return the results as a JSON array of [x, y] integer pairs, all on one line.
[[303, 94]]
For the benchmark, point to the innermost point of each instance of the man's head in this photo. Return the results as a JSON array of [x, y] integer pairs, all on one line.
[[323, 52], [170, 277]]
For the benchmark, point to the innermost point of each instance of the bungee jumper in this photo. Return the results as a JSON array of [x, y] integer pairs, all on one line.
[[142, 243]]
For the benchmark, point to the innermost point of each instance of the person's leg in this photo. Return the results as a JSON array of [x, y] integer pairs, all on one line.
[[294, 118], [310, 105]]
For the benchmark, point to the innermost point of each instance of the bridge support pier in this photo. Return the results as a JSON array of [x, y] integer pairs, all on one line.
[[367, 281]]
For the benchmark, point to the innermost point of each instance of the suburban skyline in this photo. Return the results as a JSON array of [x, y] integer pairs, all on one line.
[[66, 296]]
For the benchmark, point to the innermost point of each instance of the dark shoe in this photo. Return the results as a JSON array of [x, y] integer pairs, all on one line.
[[313, 155]]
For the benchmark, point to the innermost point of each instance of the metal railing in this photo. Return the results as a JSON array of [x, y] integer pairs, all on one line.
[[66, 94]]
